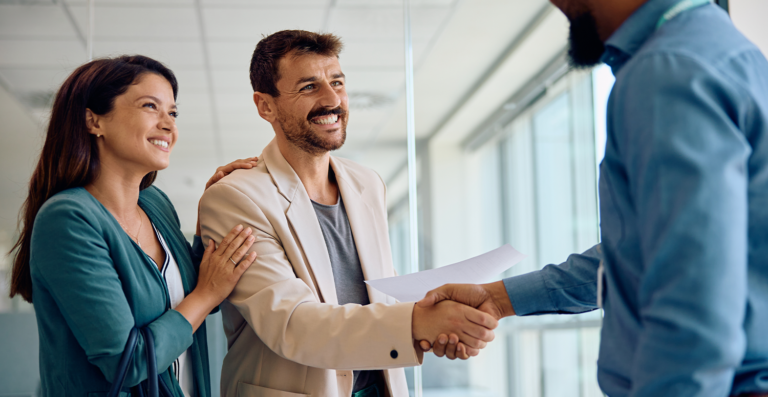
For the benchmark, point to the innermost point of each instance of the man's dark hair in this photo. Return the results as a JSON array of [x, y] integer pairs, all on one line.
[[271, 49]]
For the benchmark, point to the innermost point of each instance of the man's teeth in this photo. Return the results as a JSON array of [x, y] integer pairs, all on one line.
[[326, 119], [157, 142]]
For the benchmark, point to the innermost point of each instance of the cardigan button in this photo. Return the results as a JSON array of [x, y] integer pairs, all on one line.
[[393, 354]]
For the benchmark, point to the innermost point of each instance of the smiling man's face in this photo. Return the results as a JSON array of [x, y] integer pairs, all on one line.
[[313, 107]]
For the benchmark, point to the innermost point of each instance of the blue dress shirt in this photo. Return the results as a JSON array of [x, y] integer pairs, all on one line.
[[684, 213]]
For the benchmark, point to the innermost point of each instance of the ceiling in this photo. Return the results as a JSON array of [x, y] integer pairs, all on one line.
[[469, 56]]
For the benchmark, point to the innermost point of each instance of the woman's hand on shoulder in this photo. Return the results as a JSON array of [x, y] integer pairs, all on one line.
[[225, 170], [220, 270], [222, 266]]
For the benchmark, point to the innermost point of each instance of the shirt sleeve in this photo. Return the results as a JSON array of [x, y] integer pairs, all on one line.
[[686, 166], [567, 288], [70, 257]]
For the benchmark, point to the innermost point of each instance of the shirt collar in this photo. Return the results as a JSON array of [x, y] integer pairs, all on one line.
[[633, 33]]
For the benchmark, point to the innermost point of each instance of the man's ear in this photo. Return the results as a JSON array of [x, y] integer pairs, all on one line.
[[265, 104], [92, 123]]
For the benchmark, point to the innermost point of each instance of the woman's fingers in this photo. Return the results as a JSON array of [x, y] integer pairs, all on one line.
[[225, 170], [244, 264], [240, 252], [228, 239], [229, 251], [209, 250]]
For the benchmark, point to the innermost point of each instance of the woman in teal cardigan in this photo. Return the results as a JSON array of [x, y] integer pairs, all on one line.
[[101, 250]]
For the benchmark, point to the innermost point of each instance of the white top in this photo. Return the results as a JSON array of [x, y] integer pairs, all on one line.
[[182, 367]]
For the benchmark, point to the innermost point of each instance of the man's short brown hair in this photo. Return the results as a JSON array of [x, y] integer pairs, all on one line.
[[269, 51]]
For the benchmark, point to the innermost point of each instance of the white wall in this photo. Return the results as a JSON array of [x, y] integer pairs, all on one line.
[[749, 17], [20, 143]]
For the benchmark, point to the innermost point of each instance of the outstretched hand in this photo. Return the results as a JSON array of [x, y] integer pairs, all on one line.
[[490, 298]]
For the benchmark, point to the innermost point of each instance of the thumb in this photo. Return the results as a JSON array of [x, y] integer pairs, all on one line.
[[435, 296], [425, 345]]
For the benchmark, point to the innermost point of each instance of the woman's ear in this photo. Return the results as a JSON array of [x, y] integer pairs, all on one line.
[[92, 123], [265, 104]]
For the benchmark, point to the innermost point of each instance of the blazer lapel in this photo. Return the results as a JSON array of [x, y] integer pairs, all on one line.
[[303, 220], [364, 229]]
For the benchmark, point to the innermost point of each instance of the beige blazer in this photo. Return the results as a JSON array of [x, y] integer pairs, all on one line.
[[286, 332]]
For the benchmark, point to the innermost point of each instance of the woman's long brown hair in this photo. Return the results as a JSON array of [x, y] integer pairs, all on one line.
[[70, 156]]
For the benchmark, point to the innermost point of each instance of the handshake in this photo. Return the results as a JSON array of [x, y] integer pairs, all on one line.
[[457, 320]]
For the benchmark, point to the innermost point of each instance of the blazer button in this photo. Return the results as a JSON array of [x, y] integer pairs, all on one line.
[[393, 354]]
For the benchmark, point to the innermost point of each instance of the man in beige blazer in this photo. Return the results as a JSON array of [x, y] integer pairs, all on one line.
[[301, 321]]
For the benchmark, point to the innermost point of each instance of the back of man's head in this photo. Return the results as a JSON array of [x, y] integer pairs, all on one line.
[[265, 62]]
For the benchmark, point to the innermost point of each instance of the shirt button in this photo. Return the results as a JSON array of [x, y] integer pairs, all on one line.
[[393, 354]]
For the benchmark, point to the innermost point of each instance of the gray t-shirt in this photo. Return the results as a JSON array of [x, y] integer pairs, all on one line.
[[347, 272]]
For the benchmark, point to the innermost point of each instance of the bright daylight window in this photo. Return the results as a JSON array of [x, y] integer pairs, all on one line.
[[534, 186]]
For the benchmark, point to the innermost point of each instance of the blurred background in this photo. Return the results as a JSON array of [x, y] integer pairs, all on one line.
[[508, 140]]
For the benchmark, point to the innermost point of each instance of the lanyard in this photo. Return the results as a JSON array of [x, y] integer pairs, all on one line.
[[678, 8]]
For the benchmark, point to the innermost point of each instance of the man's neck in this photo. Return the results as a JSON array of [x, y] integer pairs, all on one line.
[[313, 171], [611, 14]]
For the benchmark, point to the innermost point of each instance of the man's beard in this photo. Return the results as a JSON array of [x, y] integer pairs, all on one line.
[[299, 131], [586, 48]]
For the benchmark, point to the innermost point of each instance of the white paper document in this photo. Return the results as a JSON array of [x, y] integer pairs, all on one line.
[[480, 269]]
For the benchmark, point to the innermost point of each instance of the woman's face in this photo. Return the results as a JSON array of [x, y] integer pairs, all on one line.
[[140, 131]]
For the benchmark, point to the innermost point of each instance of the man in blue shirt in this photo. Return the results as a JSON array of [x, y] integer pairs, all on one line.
[[682, 269]]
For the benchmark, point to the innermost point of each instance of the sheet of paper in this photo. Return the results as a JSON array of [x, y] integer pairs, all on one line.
[[480, 269]]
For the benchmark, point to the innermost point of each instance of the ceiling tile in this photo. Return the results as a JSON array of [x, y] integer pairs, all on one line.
[[38, 21], [194, 101], [133, 3], [265, 3], [426, 22], [384, 81], [51, 53], [254, 23], [393, 3], [191, 80], [230, 54], [156, 23], [232, 103], [367, 23], [174, 54], [232, 79], [376, 54], [35, 79], [372, 54]]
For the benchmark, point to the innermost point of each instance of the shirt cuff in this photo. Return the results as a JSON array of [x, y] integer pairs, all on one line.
[[529, 295]]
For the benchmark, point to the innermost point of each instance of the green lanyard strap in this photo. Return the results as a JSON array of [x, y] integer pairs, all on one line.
[[678, 8]]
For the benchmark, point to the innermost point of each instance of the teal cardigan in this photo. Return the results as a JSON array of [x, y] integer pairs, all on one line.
[[91, 284]]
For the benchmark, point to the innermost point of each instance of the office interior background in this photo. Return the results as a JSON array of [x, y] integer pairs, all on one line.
[[508, 142]]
